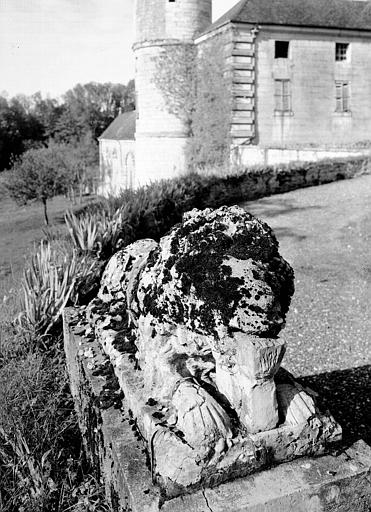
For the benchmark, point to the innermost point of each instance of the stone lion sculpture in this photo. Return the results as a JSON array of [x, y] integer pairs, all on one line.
[[200, 313]]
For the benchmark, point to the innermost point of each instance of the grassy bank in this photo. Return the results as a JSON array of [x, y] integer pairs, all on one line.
[[42, 465]]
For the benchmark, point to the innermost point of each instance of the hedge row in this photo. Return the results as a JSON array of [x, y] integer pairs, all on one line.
[[151, 211]]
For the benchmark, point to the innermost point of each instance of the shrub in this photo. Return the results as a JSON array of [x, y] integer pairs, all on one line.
[[91, 232], [38, 175], [49, 282], [151, 211]]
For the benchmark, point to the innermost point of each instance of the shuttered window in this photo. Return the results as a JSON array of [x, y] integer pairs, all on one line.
[[342, 96], [282, 95]]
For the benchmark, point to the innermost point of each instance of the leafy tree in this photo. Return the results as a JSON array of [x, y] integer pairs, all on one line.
[[48, 112], [19, 130], [82, 162], [91, 107], [126, 98], [38, 175], [83, 114], [69, 127]]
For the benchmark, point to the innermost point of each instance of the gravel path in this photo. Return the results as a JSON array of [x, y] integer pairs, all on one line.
[[325, 234]]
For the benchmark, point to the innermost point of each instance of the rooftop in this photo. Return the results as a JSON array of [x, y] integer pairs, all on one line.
[[122, 128], [340, 14]]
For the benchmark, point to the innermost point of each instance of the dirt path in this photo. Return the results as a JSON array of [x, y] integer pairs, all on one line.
[[325, 233]]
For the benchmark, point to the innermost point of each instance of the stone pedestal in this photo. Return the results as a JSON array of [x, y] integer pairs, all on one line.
[[339, 482], [332, 483]]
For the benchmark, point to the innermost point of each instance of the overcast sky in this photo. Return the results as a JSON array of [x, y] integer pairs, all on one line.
[[51, 45]]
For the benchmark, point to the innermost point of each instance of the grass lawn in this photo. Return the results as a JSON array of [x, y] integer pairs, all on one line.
[[20, 228]]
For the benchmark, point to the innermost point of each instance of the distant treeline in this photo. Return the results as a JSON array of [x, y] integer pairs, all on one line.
[[28, 122]]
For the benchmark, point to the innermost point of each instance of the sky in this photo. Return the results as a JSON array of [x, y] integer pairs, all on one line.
[[51, 45]]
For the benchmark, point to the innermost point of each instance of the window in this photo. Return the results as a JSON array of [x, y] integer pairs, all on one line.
[[281, 50], [342, 96], [282, 95], [341, 51]]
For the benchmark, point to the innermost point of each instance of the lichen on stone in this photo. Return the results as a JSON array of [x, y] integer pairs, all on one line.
[[216, 261]]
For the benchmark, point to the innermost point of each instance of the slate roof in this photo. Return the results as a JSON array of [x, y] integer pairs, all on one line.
[[341, 14], [122, 128]]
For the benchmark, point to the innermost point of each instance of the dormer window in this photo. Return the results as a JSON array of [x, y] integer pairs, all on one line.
[[281, 50], [341, 52]]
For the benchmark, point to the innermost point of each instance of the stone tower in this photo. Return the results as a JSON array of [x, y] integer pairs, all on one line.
[[162, 26]]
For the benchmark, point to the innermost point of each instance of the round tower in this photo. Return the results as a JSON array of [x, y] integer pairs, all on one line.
[[164, 42]]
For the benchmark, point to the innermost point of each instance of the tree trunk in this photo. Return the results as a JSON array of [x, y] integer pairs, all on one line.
[[46, 218]]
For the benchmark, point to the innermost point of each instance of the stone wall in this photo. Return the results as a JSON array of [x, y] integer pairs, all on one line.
[[239, 51], [117, 165], [312, 71], [159, 158], [254, 155], [312, 130]]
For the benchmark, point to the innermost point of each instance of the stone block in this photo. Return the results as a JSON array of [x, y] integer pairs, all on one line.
[[332, 483]]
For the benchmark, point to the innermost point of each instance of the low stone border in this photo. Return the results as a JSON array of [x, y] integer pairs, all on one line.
[[263, 181], [112, 443]]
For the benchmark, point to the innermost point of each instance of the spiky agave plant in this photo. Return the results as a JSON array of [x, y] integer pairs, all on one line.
[[47, 284], [97, 233], [85, 231]]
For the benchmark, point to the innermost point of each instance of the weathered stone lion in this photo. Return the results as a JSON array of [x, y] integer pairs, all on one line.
[[201, 311]]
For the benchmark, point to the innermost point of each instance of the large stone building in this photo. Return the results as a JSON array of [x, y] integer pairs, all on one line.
[[299, 70]]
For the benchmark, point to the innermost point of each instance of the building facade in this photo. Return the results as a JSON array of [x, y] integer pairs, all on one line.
[[300, 79], [298, 92]]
